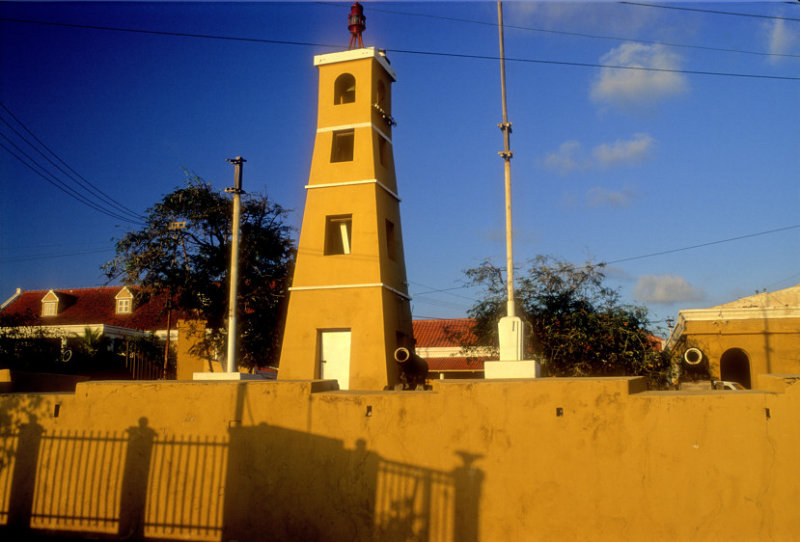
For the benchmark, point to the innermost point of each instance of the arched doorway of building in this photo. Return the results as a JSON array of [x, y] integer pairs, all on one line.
[[734, 365]]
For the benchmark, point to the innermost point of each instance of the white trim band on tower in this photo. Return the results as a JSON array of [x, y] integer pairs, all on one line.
[[346, 286], [353, 127], [355, 183], [357, 54]]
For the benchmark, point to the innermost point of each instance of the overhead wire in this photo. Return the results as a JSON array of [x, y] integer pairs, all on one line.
[[47, 176], [586, 35], [418, 52], [479, 57], [713, 11], [652, 254], [19, 259], [701, 245], [72, 174]]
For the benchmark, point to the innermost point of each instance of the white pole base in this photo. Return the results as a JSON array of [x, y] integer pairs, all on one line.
[[511, 369]]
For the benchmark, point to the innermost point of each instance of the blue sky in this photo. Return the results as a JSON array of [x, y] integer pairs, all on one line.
[[609, 164]]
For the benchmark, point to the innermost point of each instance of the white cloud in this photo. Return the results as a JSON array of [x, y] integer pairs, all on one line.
[[571, 156], [780, 38], [595, 17], [622, 151], [566, 159], [634, 87], [665, 289], [598, 197]]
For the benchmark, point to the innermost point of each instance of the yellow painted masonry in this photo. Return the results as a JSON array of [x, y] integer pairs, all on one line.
[[349, 278], [545, 459], [759, 334], [772, 345]]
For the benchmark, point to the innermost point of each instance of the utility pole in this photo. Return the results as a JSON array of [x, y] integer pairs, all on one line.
[[510, 328], [506, 154], [234, 273]]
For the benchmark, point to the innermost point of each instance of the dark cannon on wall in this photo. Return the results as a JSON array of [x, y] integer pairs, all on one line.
[[413, 369]]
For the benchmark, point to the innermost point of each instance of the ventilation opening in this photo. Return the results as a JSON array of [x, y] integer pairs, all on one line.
[[391, 241], [380, 95], [382, 151]]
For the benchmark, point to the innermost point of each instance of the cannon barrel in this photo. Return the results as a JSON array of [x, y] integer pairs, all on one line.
[[410, 363]]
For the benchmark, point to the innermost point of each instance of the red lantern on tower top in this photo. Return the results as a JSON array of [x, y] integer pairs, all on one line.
[[356, 23]]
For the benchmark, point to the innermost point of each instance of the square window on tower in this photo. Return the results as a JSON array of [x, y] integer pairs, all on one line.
[[342, 147], [338, 234]]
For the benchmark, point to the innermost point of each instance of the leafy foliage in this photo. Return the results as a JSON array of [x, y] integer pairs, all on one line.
[[577, 325], [24, 346], [191, 264]]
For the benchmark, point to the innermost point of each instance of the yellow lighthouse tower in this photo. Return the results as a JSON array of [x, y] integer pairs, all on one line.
[[348, 304]]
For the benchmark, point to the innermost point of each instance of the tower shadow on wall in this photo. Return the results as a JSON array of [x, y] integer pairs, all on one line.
[[288, 485]]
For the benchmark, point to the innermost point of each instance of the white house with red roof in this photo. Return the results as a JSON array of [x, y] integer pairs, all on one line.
[[439, 342], [111, 311]]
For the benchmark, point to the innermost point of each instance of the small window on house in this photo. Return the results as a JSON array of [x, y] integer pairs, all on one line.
[[50, 308], [391, 241], [344, 89], [124, 305], [338, 234], [342, 148]]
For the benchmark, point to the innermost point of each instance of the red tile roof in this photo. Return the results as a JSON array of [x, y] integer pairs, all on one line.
[[442, 333], [447, 333], [85, 306]]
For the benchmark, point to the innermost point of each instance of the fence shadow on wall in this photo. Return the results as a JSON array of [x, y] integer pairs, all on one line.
[[257, 483]]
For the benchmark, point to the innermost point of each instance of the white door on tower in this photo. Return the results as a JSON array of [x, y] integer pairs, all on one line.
[[334, 356]]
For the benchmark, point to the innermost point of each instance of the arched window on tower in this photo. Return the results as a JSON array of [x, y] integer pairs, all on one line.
[[344, 89]]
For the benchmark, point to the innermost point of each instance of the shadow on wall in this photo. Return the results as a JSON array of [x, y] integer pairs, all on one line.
[[258, 483]]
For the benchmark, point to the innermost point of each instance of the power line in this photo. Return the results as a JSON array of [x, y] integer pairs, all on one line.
[[420, 52], [174, 34], [74, 175], [710, 243], [51, 256], [58, 183], [652, 254], [714, 11], [587, 35], [606, 66], [435, 290]]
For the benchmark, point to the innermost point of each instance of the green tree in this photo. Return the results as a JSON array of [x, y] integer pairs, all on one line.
[[577, 325], [190, 264]]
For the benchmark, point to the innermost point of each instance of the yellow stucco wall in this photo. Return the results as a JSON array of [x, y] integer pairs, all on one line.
[[190, 332], [772, 345], [550, 459], [364, 291]]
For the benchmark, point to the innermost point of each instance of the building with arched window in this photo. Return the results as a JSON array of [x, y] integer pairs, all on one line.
[[738, 341]]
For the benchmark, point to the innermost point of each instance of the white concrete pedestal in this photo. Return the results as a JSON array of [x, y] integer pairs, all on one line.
[[219, 377], [511, 369]]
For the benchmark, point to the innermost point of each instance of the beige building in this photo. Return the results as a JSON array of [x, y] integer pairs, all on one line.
[[348, 304], [755, 335]]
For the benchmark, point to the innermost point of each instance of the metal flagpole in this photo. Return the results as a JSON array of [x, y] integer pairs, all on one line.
[[234, 274]]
